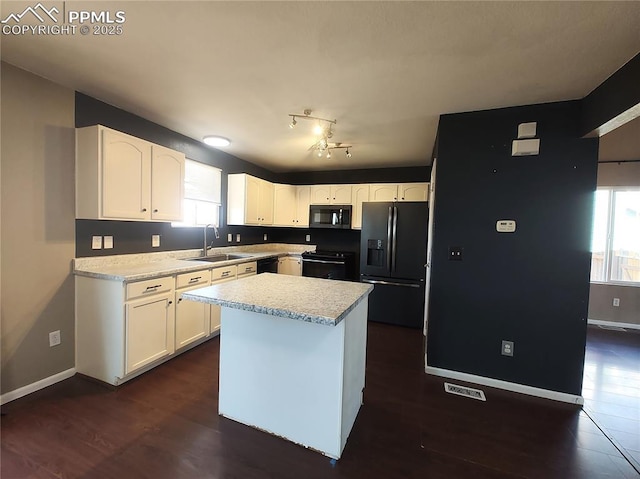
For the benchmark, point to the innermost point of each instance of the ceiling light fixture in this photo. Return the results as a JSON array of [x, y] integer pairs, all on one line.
[[306, 115], [324, 129], [213, 140]]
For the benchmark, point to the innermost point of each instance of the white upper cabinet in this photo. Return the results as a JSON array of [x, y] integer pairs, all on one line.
[[399, 192], [320, 195], [119, 176], [341, 194], [284, 205], [360, 194], [413, 192], [383, 192], [331, 195], [303, 199], [249, 200], [167, 183]]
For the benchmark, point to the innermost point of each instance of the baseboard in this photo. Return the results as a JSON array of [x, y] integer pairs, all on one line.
[[514, 387], [616, 324], [33, 387]]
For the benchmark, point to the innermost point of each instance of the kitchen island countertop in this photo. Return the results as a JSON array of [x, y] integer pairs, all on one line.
[[313, 300]]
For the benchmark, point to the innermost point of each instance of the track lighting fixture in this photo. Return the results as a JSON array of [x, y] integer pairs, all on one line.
[[306, 115], [323, 129]]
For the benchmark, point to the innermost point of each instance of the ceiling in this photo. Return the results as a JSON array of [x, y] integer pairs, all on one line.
[[384, 71]]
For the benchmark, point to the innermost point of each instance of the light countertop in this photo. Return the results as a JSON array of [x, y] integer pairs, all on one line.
[[314, 300], [138, 267]]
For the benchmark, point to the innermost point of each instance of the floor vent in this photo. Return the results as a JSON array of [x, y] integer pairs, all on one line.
[[464, 391], [612, 328]]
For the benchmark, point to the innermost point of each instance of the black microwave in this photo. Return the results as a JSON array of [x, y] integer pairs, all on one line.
[[330, 216]]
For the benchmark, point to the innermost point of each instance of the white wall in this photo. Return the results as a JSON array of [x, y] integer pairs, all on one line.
[[37, 227]]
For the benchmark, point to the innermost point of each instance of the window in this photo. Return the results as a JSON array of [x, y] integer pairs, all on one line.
[[201, 194], [615, 242]]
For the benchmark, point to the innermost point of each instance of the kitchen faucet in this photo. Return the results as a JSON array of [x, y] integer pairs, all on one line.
[[206, 247]]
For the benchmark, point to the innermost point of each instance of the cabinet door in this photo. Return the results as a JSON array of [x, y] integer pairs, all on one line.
[[360, 195], [303, 197], [149, 330], [284, 205], [126, 171], [252, 201], [341, 194], [291, 265], [167, 184], [192, 319], [265, 207], [383, 192], [413, 191], [320, 194]]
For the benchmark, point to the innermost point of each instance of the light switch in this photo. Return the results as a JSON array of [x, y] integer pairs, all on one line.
[[108, 242], [96, 242], [229, 237], [238, 238], [308, 238], [155, 241]]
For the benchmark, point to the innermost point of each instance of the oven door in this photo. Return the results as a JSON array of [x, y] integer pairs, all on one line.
[[324, 268]]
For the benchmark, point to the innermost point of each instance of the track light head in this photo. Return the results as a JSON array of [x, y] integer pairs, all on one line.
[[293, 123], [348, 153], [329, 155]]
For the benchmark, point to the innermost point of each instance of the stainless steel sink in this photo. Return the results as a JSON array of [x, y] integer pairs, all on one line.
[[220, 257]]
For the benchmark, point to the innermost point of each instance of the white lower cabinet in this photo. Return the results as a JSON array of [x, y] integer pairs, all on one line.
[[291, 265], [192, 317], [149, 330], [123, 329]]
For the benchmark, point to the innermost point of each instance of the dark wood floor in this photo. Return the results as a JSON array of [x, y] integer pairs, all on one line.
[[164, 425], [611, 387]]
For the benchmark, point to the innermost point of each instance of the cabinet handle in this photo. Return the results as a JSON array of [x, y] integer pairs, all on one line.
[[226, 273], [170, 302], [179, 301], [194, 280], [150, 288], [144, 209], [155, 211]]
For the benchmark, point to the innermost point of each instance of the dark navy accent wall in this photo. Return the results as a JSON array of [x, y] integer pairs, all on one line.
[[532, 286]]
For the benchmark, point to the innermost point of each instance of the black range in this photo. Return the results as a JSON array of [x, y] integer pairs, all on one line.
[[329, 264]]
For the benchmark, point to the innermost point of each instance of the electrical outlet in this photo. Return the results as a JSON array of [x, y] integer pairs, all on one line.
[[238, 238], [229, 237], [264, 237], [308, 238], [507, 348], [54, 338], [155, 241], [96, 242], [616, 302], [107, 242]]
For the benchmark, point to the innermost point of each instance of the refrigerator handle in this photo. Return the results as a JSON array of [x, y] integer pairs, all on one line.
[[389, 238], [394, 240]]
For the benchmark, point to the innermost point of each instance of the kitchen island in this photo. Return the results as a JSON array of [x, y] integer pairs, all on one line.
[[292, 355]]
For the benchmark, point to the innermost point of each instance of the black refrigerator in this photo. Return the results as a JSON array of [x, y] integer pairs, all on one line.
[[393, 253]]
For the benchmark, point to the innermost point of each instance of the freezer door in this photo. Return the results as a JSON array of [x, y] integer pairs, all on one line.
[[409, 243], [375, 244], [396, 302]]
